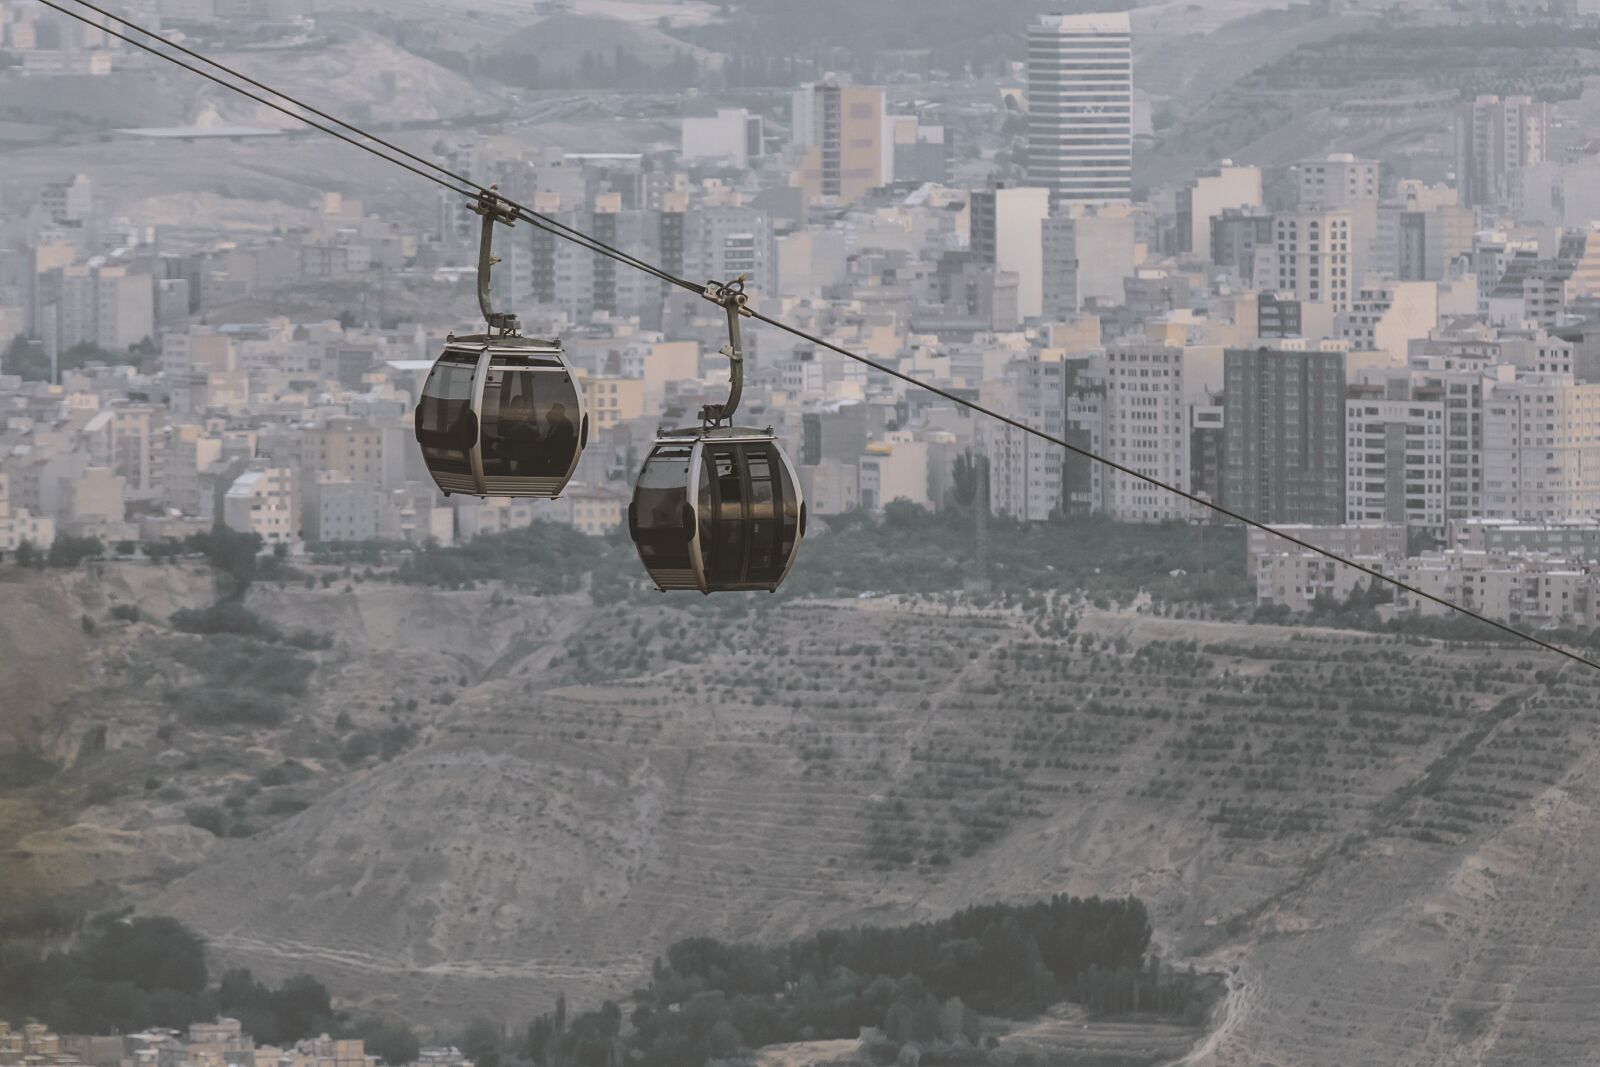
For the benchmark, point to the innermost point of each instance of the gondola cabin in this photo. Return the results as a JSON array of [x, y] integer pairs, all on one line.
[[501, 416], [717, 510]]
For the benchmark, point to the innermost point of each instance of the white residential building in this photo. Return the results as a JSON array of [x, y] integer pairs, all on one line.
[[1541, 449], [1007, 232], [1025, 473], [895, 468], [265, 502], [1386, 317], [732, 134], [1311, 255], [18, 525], [1146, 429], [1522, 589], [1394, 458], [1208, 196], [1339, 180], [340, 508]]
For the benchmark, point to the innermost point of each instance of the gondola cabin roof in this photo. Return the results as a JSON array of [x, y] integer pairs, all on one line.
[[516, 342], [688, 435]]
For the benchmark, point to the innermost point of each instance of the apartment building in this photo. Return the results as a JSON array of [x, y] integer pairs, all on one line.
[[1145, 428], [1284, 410], [843, 136], [266, 502], [1541, 449], [1395, 456], [1310, 256]]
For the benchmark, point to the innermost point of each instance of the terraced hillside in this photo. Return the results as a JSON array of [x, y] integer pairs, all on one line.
[[1281, 86], [485, 798]]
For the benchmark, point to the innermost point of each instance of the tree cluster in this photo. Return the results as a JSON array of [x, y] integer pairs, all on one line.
[[239, 680], [122, 975], [543, 558], [913, 550], [126, 975], [27, 359], [233, 553], [65, 552], [1152, 988], [922, 985]]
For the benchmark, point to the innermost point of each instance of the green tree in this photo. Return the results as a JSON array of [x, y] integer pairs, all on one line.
[[594, 1040], [28, 555], [86, 352], [67, 551], [231, 552], [151, 953], [480, 1042], [903, 514], [144, 353], [547, 1035], [393, 1042], [26, 359], [303, 1007], [966, 474]]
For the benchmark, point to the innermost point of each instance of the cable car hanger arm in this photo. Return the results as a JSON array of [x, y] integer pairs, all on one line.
[[493, 210], [730, 296]]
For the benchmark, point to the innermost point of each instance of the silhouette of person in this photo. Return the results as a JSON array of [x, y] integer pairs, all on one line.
[[519, 436], [560, 439], [664, 514], [463, 431]]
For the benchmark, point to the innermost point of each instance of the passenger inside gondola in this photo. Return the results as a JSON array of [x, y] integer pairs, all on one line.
[[559, 440], [508, 431], [724, 552], [519, 435], [462, 432]]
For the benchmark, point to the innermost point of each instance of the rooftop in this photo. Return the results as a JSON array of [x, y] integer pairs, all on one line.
[[190, 133], [1097, 22]]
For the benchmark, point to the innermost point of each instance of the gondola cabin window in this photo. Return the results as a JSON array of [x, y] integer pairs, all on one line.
[[446, 427], [660, 502], [528, 427]]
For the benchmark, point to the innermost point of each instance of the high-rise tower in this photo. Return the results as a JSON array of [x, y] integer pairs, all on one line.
[[1080, 106], [840, 127], [1496, 137]]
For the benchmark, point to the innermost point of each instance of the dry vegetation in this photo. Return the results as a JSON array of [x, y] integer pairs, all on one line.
[[485, 795]]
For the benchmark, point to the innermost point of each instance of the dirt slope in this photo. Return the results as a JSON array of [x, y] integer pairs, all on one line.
[[1387, 842], [358, 75], [559, 43]]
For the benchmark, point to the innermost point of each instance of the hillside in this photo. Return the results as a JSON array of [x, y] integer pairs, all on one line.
[[51, 127], [486, 798], [356, 74], [560, 43], [66, 698], [1292, 84], [359, 76]]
